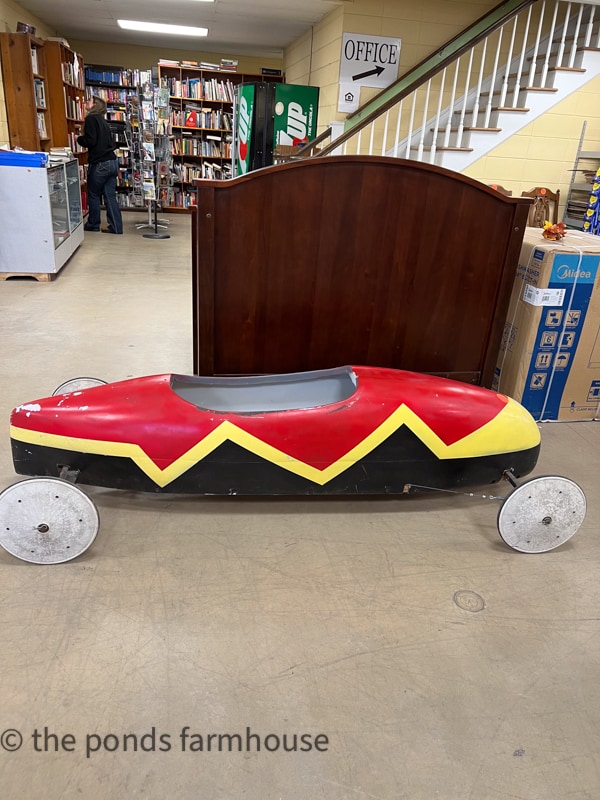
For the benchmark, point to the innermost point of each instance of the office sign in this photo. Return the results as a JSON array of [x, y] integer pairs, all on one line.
[[369, 60]]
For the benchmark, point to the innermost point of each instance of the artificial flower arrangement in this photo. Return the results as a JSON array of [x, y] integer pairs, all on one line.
[[554, 232]]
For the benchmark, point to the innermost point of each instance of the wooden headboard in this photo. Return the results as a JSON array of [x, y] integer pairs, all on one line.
[[353, 260]]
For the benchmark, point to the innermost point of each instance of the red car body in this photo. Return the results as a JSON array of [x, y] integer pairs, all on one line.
[[352, 430]]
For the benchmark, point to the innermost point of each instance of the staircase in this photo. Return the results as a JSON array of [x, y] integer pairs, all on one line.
[[483, 91]]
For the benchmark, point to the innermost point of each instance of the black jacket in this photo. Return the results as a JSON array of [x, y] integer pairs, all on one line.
[[97, 137]]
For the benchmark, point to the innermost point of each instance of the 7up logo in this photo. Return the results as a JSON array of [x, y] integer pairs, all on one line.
[[243, 135], [296, 126]]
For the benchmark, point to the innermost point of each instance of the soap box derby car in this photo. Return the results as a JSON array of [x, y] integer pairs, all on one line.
[[344, 431]]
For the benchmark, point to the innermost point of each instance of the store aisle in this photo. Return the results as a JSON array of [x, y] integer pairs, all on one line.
[[416, 654]]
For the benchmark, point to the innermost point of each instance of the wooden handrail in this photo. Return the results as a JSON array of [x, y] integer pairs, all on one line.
[[307, 149]]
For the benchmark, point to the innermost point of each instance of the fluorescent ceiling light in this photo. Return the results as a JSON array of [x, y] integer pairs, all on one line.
[[155, 27]]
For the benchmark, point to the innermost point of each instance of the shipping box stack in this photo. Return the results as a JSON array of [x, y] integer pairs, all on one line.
[[550, 354]]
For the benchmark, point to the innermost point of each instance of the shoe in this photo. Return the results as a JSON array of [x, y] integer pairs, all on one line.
[[88, 227], [109, 230]]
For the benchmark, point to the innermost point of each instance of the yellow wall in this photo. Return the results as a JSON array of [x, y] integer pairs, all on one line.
[[315, 58], [542, 154], [137, 57]]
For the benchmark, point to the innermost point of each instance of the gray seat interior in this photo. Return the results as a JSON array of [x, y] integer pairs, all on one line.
[[267, 393]]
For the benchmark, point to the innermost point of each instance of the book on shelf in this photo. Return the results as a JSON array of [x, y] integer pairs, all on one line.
[[34, 60], [41, 121], [191, 119], [40, 93]]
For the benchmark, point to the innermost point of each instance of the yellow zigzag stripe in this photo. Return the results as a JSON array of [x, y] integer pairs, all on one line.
[[512, 429]]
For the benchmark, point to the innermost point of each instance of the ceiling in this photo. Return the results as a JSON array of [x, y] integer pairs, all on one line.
[[237, 27]]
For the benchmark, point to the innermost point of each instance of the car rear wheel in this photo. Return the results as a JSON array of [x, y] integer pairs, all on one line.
[[541, 514]]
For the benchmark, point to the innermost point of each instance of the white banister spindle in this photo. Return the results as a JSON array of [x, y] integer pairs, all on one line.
[[546, 66], [397, 134], [478, 87], [423, 122], [436, 125], [436, 122], [488, 110], [411, 123], [463, 110], [590, 26], [561, 49], [505, 78], [386, 121], [451, 104], [575, 37], [536, 46], [515, 98], [371, 137]]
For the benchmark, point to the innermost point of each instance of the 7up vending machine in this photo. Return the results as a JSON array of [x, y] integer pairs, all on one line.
[[271, 115]]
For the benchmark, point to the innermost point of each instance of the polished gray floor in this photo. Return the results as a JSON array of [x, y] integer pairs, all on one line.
[[326, 618]]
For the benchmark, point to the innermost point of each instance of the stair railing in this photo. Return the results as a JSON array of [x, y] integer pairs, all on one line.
[[490, 67]]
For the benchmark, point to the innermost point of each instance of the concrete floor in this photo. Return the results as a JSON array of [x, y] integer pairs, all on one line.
[[321, 617]]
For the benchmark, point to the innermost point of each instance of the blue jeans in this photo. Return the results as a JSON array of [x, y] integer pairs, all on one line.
[[102, 181]]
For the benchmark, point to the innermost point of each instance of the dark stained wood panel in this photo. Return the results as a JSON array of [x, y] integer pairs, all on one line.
[[353, 260]]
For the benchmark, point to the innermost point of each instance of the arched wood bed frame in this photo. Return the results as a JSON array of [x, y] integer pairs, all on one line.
[[353, 260]]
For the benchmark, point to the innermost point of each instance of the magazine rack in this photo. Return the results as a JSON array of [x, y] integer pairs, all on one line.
[[150, 148]]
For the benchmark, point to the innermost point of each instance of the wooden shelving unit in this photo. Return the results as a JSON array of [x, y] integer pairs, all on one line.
[[26, 91], [67, 94], [201, 111]]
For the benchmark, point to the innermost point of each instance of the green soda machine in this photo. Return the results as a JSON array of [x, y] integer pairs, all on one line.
[[268, 115]]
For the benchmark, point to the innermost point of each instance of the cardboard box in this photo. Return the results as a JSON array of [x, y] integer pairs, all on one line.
[[550, 354]]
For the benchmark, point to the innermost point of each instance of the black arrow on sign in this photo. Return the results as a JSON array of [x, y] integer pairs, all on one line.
[[377, 71]]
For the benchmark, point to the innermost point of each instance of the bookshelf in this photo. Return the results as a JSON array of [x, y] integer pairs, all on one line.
[[200, 113], [26, 91], [65, 79], [117, 86]]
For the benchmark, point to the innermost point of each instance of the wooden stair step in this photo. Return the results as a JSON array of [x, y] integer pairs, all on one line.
[[567, 69], [529, 89], [499, 108], [428, 149], [469, 128]]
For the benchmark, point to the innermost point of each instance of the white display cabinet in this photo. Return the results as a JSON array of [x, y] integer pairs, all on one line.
[[42, 218]]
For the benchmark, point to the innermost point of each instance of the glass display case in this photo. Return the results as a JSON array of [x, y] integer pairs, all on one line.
[[40, 207]]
